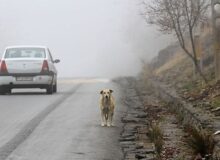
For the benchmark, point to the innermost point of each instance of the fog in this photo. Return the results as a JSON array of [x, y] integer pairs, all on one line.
[[92, 38]]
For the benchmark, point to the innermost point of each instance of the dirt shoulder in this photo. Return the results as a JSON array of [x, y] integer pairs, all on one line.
[[151, 130]]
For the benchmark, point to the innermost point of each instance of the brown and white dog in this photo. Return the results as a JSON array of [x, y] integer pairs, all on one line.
[[107, 106]]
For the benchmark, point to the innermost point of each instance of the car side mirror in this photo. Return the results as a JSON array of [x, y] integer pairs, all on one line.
[[56, 61]]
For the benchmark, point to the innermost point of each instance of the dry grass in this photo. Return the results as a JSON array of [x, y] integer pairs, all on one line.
[[200, 142], [156, 136], [178, 58], [215, 102]]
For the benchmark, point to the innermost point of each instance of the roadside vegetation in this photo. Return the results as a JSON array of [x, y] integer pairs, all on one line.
[[186, 67], [179, 76], [201, 143], [156, 136], [181, 18]]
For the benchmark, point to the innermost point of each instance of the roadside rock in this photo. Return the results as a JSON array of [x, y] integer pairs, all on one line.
[[132, 141]]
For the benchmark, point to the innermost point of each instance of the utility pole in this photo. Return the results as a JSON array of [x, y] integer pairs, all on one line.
[[216, 35]]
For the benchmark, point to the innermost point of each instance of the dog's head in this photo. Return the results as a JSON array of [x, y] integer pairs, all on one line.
[[106, 93]]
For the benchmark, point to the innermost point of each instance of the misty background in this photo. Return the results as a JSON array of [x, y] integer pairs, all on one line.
[[92, 38]]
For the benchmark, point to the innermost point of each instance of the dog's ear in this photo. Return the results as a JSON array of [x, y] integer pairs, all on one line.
[[111, 91], [101, 92]]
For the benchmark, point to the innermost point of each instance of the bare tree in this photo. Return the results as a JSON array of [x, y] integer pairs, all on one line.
[[182, 18]]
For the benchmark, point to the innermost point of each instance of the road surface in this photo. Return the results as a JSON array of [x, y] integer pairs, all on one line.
[[63, 126]]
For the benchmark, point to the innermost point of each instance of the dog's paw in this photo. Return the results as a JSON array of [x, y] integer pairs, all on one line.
[[108, 125], [103, 125]]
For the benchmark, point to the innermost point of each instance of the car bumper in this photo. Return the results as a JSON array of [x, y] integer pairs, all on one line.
[[39, 81]]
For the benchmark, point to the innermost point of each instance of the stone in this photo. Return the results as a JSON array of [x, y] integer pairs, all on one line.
[[140, 156], [131, 138], [145, 151], [127, 143], [130, 149], [139, 145], [130, 156], [125, 135], [142, 115], [129, 120]]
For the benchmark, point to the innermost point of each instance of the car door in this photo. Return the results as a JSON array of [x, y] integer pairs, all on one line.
[[51, 63]]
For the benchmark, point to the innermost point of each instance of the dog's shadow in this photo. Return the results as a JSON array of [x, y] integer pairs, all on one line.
[[106, 127]]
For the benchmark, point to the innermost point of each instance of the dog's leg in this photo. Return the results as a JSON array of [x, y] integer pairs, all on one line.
[[106, 119], [112, 119], [109, 122], [103, 119]]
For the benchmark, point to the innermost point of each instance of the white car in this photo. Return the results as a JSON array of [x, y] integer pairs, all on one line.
[[28, 67]]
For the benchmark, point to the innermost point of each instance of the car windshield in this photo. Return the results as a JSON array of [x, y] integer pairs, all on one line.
[[25, 53]]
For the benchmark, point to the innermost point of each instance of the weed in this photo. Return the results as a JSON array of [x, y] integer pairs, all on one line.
[[216, 102], [156, 136], [189, 86], [200, 142], [180, 158]]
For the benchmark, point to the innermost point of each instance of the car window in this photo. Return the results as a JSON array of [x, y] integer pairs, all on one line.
[[25, 53]]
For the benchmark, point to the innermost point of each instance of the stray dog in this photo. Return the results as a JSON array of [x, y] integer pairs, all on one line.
[[107, 106]]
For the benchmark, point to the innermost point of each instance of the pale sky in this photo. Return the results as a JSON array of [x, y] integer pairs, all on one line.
[[92, 38]]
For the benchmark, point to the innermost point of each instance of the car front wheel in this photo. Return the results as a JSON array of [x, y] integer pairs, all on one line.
[[55, 88], [2, 90], [8, 91], [50, 89]]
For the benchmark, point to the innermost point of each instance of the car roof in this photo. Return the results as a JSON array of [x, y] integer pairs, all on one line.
[[26, 46]]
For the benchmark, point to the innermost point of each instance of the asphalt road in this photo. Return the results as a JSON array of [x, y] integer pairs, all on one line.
[[63, 126]]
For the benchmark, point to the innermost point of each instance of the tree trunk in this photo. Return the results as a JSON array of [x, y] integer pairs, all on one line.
[[198, 69]]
